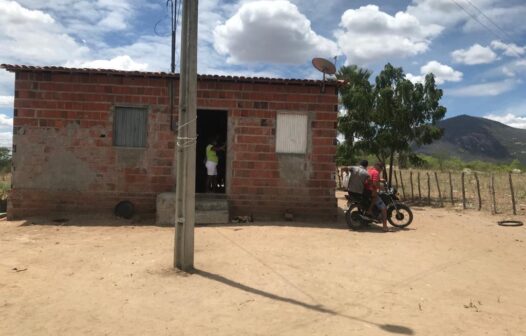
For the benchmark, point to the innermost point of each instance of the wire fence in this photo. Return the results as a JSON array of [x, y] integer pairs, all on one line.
[[499, 193]]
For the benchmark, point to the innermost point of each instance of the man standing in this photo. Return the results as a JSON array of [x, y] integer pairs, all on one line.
[[373, 185]]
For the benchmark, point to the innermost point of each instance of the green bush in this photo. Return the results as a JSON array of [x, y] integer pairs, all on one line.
[[4, 189]]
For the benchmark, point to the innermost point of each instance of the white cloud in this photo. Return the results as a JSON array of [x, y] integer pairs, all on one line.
[[476, 54], [509, 119], [368, 35], [88, 16], [485, 89], [452, 14], [34, 37], [514, 68], [439, 12], [443, 73], [6, 139], [5, 121], [511, 49], [150, 53], [6, 131], [123, 62], [7, 83], [415, 78], [6, 101], [114, 20], [271, 32]]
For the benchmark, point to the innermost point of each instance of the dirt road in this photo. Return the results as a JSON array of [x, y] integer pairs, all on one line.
[[451, 273]]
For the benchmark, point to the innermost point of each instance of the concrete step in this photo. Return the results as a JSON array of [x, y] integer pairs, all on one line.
[[209, 209], [211, 217], [210, 196], [211, 204]]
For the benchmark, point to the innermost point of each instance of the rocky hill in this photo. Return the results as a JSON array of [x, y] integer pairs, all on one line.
[[473, 138]]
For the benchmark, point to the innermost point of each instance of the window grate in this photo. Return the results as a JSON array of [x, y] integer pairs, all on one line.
[[130, 126]]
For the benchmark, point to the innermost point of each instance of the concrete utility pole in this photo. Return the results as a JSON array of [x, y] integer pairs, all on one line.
[[186, 141]]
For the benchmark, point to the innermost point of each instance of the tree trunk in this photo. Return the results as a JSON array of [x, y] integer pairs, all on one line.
[[391, 159], [384, 172]]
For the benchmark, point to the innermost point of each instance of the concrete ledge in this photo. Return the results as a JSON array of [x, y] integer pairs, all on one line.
[[165, 208], [208, 210]]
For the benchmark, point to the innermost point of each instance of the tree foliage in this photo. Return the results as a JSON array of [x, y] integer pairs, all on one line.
[[390, 116], [5, 159]]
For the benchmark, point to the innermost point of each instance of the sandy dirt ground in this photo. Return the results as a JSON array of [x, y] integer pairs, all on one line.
[[450, 273]]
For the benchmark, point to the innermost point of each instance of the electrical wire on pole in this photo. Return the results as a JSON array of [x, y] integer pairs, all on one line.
[[173, 12]]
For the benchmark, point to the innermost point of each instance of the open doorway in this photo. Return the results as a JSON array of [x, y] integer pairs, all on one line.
[[210, 124]]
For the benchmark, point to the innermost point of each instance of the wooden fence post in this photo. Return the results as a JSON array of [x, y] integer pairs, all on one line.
[[451, 190], [438, 188], [411, 180], [419, 192], [463, 192], [402, 183], [512, 195], [478, 191], [492, 194], [428, 189]]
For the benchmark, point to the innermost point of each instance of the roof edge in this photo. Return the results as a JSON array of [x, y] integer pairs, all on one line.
[[29, 68]]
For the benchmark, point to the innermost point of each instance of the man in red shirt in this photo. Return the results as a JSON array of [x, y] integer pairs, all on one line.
[[373, 184]]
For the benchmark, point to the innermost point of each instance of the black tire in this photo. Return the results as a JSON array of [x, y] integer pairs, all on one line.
[[401, 218], [352, 223], [124, 209], [510, 223]]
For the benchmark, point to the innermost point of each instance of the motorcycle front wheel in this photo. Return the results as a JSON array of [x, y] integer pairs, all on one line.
[[399, 215]]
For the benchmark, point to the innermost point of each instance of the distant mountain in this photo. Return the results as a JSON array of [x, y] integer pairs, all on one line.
[[473, 138]]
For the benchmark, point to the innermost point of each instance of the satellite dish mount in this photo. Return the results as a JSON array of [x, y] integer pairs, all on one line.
[[324, 66]]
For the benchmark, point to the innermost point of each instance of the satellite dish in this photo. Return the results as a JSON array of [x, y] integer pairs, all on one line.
[[325, 66]]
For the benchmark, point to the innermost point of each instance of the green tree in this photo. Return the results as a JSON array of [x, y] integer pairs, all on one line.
[[356, 98], [390, 116], [5, 159]]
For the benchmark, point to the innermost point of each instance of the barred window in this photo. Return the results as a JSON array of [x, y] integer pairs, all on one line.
[[130, 126]]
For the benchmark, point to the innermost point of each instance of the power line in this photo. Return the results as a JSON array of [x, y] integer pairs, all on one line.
[[174, 14], [490, 20], [156, 32], [474, 17]]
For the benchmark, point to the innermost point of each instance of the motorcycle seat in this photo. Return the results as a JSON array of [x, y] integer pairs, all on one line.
[[354, 197]]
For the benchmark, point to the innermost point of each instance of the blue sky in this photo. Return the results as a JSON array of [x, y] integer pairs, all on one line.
[[476, 48]]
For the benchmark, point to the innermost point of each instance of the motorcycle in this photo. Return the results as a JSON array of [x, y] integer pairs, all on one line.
[[398, 214]]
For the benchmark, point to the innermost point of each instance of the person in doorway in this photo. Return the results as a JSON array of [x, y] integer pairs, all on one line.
[[374, 185], [211, 163]]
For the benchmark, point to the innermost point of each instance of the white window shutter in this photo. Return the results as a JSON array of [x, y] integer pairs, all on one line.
[[291, 133]]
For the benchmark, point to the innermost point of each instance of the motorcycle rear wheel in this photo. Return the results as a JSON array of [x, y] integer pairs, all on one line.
[[352, 218], [401, 218]]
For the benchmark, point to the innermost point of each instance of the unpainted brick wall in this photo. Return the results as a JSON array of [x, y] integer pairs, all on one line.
[[64, 158]]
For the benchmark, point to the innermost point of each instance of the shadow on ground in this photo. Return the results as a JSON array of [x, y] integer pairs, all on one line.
[[397, 329]]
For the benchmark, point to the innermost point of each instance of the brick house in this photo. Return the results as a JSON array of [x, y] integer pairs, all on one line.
[[85, 139]]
